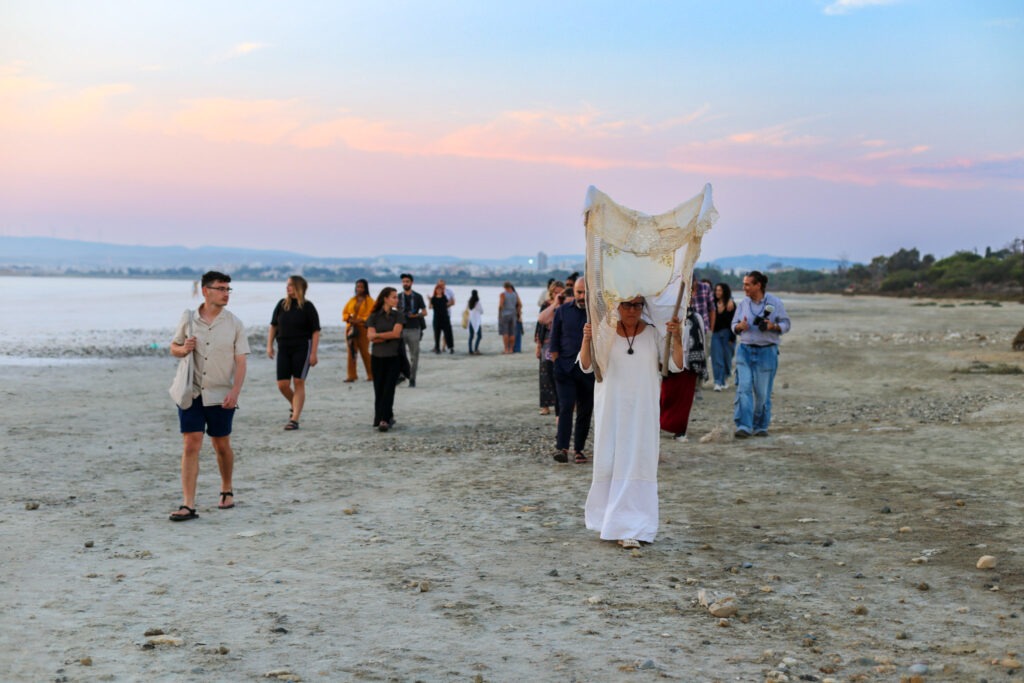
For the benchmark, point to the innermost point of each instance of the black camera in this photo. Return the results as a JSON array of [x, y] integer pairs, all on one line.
[[761, 321]]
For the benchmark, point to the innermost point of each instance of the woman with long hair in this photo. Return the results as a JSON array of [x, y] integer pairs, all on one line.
[[357, 310], [476, 318], [439, 303], [295, 324], [384, 328], [723, 339]]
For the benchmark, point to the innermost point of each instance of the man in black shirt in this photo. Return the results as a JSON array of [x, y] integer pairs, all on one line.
[[574, 387]]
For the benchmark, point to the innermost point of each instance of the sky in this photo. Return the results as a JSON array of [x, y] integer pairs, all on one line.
[[827, 128]]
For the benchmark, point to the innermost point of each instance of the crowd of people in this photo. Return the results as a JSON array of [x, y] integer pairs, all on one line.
[[649, 377]]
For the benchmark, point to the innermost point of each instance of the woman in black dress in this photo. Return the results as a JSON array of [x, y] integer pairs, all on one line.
[[442, 320], [295, 324]]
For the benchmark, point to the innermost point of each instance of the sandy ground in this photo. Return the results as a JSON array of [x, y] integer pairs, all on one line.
[[453, 548]]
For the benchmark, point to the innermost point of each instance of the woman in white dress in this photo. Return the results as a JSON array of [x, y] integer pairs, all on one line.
[[623, 500]]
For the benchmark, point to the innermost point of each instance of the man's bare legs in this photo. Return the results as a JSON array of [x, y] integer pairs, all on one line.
[[226, 465], [191, 444]]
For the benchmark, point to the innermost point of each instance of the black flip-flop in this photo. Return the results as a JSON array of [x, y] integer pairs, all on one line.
[[175, 517], [224, 496], [291, 426]]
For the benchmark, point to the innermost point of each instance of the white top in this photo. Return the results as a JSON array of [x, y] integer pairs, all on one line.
[[476, 316]]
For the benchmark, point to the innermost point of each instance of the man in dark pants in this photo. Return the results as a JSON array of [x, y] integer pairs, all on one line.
[[574, 387], [411, 304]]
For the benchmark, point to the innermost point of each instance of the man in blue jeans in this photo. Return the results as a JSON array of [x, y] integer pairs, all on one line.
[[574, 388], [759, 322]]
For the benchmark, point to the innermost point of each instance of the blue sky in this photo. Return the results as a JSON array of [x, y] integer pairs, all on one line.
[[472, 128]]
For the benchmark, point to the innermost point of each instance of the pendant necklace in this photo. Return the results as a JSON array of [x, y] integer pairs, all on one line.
[[629, 340]]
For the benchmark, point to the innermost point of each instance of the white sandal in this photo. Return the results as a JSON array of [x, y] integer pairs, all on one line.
[[629, 543]]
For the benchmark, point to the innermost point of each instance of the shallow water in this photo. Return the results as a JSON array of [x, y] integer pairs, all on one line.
[[54, 316]]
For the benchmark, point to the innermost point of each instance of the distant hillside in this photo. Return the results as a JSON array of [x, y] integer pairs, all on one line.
[[47, 253], [768, 263], [53, 253]]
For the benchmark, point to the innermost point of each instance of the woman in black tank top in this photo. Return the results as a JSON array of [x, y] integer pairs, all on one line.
[[723, 341]]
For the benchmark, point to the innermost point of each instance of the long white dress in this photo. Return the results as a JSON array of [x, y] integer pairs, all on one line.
[[623, 498]]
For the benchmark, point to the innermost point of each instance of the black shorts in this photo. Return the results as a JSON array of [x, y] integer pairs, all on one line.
[[293, 360]]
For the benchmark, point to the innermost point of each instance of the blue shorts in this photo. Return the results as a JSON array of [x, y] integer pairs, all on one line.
[[214, 420]]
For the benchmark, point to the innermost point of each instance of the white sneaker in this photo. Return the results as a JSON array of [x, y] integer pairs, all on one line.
[[681, 438], [718, 387]]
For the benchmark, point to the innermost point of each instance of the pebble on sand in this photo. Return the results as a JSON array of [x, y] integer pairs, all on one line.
[[986, 562], [282, 675], [32, 505], [721, 606], [169, 641], [85, 661]]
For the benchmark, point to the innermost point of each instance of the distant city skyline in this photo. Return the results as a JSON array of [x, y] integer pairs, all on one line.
[[828, 128]]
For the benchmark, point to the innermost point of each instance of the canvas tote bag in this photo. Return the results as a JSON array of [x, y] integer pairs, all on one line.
[[181, 387]]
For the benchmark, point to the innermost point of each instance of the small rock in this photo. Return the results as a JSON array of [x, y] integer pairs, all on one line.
[[860, 610], [85, 661], [923, 586], [726, 607], [89, 544], [960, 503], [905, 529], [32, 505], [553, 572], [919, 669], [920, 560], [595, 600], [986, 562], [648, 664], [348, 511], [723, 623], [1011, 663], [168, 641], [282, 675], [424, 586], [154, 632], [886, 510], [902, 635]]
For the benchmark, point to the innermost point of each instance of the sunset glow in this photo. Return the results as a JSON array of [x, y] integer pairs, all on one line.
[[847, 128]]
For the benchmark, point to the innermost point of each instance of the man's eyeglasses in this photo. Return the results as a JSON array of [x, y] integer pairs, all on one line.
[[635, 305], [221, 289]]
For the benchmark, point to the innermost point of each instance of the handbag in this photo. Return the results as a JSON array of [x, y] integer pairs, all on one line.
[[465, 319], [181, 387]]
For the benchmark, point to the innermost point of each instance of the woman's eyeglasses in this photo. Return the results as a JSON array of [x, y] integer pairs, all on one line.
[[635, 305]]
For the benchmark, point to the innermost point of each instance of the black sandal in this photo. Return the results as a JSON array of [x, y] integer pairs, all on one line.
[[175, 517], [562, 455], [223, 497], [580, 458], [291, 426]]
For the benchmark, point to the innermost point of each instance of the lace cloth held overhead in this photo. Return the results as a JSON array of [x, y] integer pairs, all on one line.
[[631, 254]]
